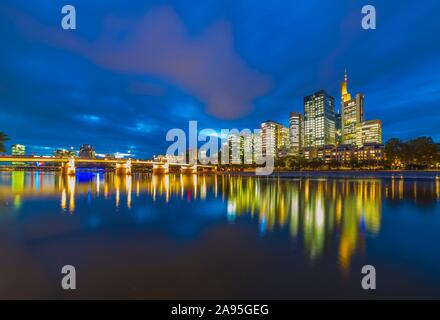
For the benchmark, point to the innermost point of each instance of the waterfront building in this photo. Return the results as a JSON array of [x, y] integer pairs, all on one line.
[[319, 120], [352, 113], [371, 152], [63, 153], [325, 153], [344, 153]]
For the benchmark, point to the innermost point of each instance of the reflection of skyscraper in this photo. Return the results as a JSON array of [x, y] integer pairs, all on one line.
[[352, 113], [319, 119]]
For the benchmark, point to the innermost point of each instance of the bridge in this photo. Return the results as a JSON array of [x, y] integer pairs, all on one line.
[[122, 166]]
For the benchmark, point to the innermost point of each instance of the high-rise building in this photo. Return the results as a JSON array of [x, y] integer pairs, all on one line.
[[274, 138], [352, 113], [18, 150], [236, 148], [369, 132], [295, 131], [319, 119], [87, 151]]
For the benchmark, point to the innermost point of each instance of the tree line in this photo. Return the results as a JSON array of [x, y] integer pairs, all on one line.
[[419, 153], [3, 139]]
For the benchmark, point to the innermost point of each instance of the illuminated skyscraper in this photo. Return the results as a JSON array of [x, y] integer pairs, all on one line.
[[295, 128], [319, 119], [352, 113]]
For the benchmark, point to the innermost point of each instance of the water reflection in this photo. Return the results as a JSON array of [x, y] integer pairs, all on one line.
[[319, 213]]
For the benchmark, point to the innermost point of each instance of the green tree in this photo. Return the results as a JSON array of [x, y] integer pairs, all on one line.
[[394, 149], [3, 138]]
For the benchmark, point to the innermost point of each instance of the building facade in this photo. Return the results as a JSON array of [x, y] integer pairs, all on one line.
[[319, 120], [274, 137], [369, 132]]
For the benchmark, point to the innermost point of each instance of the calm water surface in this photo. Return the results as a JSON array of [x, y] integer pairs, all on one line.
[[173, 236]]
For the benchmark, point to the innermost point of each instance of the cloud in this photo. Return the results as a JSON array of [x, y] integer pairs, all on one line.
[[158, 44]]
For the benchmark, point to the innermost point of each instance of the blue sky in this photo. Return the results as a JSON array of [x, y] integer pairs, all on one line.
[[134, 69]]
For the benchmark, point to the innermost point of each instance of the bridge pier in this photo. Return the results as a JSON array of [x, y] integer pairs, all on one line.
[[124, 168], [68, 168], [189, 169], [161, 168]]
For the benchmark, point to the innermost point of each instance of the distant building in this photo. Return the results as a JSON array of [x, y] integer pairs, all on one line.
[[319, 120], [165, 158], [295, 131], [352, 113], [18, 150], [63, 153], [87, 151]]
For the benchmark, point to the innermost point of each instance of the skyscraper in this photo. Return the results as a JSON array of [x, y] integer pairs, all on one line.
[[319, 119], [295, 132], [352, 113]]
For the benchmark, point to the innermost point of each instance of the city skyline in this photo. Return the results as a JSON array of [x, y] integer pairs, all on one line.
[[56, 82]]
